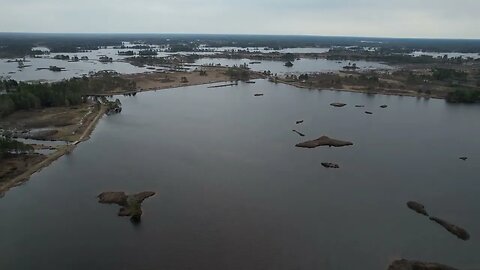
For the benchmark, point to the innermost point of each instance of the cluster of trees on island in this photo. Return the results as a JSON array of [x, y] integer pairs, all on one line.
[[39, 52], [62, 57], [10, 146], [238, 72], [26, 96], [293, 77], [392, 56], [446, 74], [463, 95], [141, 61], [147, 53]]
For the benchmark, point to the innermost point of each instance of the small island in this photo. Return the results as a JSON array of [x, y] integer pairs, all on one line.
[[324, 141], [417, 207], [338, 104], [330, 165], [454, 229], [131, 204]]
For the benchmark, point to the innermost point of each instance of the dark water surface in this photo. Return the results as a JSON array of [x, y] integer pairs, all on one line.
[[234, 193]]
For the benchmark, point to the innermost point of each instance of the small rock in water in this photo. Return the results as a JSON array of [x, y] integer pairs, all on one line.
[[330, 165], [338, 104], [463, 158], [454, 229], [299, 122], [383, 106], [299, 133], [367, 112], [417, 207], [416, 265]]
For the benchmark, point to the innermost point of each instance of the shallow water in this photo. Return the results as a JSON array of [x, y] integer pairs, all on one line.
[[72, 69], [43, 142], [448, 54], [234, 193], [303, 65], [267, 50], [81, 68]]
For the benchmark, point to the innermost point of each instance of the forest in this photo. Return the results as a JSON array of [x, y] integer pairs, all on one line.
[[27, 96], [9, 146]]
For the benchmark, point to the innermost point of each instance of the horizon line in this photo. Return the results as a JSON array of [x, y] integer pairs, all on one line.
[[233, 34]]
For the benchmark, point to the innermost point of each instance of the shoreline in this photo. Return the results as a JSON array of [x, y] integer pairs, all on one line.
[[67, 149], [399, 93], [143, 90], [89, 128]]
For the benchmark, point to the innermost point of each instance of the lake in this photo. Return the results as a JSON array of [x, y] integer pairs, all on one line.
[[234, 193]]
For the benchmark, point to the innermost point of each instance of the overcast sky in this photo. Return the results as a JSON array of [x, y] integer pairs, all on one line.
[[382, 18]]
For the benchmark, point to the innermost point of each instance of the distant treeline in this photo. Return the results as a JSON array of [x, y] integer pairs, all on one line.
[[26, 96], [20, 44], [391, 56]]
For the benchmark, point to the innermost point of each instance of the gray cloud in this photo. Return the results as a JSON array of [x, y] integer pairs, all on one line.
[[392, 18]]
